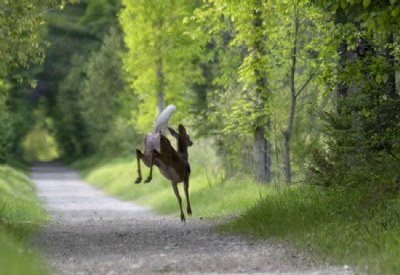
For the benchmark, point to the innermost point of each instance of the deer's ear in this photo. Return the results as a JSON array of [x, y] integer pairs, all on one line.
[[181, 129], [173, 133]]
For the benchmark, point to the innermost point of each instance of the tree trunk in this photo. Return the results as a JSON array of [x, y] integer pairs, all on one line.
[[293, 100], [341, 86], [262, 156], [262, 147], [287, 137], [391, 82]]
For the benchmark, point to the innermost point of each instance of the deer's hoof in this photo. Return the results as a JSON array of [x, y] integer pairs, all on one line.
[[183, 218], [147, 180], [189, 211], [138, 180]]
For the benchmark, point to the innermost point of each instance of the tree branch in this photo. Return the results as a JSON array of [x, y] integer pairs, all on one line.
[[310, 77]]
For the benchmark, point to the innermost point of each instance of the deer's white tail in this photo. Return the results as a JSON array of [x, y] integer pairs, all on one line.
[[163, 118]]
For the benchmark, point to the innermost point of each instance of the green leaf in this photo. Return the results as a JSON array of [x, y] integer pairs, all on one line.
[[378, 79], [395, 12], [366, 3]]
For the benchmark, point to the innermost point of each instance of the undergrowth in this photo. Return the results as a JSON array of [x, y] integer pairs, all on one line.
[[21, 214]]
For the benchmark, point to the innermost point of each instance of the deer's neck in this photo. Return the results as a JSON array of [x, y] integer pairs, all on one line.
[[182, 149]]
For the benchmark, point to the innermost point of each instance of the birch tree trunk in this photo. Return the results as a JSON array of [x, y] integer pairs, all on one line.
[[293, 101]]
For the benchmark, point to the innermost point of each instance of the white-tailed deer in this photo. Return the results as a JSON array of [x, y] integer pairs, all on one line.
[[173, 165]]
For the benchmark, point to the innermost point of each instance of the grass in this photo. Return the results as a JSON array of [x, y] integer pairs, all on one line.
[[335, 225], [21, 214]]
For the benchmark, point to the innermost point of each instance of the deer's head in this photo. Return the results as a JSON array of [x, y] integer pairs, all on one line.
[[182, 137]]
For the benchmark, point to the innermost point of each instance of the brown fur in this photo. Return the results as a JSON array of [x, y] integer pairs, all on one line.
[[173, 165]]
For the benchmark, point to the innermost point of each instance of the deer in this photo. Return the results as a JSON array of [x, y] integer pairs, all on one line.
[[173, 165]]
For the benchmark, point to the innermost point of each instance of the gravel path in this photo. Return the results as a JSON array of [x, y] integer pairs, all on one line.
[[91, 233]]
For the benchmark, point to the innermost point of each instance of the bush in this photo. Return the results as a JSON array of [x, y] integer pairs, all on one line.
[[362, 151]]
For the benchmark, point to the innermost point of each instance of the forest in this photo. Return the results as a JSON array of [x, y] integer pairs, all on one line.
[[302, 96]]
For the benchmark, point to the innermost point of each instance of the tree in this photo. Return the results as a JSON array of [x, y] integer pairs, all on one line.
[[71, 131], [265, 49], [100, 93], [78, 28], [160, 59], [67, 35], [306, 50], [100, 15], [363, 148], [21, 32], [237, 27], [22, 44]]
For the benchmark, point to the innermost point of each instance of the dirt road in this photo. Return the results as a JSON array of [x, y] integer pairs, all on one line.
[[91, 233]]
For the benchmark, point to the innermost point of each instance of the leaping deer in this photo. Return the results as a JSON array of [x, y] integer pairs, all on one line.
[[172, 164]]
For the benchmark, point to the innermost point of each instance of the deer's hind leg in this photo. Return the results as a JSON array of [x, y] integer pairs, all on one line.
[[139, 156], [178, 197], [154, 155]]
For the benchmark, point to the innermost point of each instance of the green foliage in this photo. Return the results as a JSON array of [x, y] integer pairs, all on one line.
[[22, 30], [67, 37], [362, 145], [229, 28], [63, 74], [229, 35], [71, 130], [85, 92], [92, 103], [100, 15], [101, 90], [372, 15], [15, 120], [40, 143], [21, 214], [24, 23], [161, 55]]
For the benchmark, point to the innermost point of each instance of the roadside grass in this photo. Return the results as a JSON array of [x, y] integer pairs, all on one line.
[[335, 225], [21, 214]]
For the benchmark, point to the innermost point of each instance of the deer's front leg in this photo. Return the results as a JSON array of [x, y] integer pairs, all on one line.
[[178, 197], [154, 154], [186, 188], [139, 156]]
